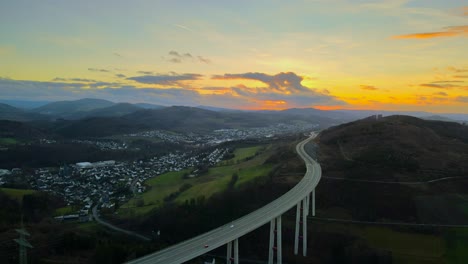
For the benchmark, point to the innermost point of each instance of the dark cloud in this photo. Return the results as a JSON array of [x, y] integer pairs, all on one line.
[[280, 91], [284, 86], [97, 70], [175, 60], [443, 85], [21, 89], [447, 82], [177, 54], [38, 90], [119, 75], [72, 80], [281, 82], [438, 86], [441, 93], [204, 60], [176, 57], [454, 69], [145, 72], [117, 54], [460, 76], [166, 79], [463, 99], [174, 53], [368, 87], [104, 85]]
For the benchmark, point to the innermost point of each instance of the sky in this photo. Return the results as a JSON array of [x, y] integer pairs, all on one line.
[[245, 54]]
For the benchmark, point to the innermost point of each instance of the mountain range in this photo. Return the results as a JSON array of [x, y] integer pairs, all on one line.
[[96, 117]]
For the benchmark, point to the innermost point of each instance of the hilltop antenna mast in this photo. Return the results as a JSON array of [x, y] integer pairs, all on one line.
[[23, 244]]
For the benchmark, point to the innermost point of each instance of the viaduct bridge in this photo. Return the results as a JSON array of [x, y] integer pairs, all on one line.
[[301, 196]]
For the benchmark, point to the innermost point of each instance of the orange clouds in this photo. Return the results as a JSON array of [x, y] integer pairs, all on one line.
[[454, 69], [368, 87], [464, 10], [328, 107], [448, 32], [274, 104]]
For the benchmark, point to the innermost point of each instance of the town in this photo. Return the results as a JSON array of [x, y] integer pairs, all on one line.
[[109, 182]]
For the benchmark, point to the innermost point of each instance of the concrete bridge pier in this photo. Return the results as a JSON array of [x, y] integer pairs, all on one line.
[[301, 221], [304, 228], [313, 202], [278, 248], [230, 259]]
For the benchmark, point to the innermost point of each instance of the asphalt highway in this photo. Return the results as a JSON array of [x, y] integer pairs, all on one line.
[[220, 236]]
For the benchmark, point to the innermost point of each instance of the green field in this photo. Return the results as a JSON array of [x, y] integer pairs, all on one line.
[[405, 247], [214, 181], [66, 210], [241, 154], [457, 243], [91, 227], [17, 194], [159, 187], [8, 141]]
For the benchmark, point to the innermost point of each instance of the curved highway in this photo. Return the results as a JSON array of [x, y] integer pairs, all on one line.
[[220, 236]]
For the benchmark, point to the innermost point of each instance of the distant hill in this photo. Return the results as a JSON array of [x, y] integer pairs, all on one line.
[[335, 115], [217, 109], [8, 112], [149, 106], [358, 114], [180, 119], [22, 104], [396, 148], [18, 130], [65, 109], [440, 118], [119, 109]]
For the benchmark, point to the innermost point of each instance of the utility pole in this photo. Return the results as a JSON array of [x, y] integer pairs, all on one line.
[[23, 244]]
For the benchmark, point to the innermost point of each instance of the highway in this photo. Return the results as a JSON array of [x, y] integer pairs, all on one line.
[[220, 236]]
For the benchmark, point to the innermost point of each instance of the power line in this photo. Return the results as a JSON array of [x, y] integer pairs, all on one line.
[[395, 182], [383, 223], [23, 244]]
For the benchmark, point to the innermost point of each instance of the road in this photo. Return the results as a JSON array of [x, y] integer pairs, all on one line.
[[115, 228], [220, 236]]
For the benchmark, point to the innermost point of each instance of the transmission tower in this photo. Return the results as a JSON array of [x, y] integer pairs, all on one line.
[[23, 244]]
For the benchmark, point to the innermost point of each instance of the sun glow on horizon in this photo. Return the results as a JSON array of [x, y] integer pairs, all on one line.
[[183, 55]]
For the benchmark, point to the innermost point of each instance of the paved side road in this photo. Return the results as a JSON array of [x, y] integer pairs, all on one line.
[[115, 228]]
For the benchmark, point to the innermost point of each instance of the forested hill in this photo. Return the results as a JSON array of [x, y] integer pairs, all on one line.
[[396, 147]]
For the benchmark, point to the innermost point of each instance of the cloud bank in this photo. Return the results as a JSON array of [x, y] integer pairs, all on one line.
[[282, 90], [166, 79]]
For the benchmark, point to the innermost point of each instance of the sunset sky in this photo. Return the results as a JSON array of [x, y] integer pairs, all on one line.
[[275, 54]]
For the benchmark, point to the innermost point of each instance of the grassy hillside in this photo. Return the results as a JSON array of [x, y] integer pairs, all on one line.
[[396, 169], [16, 194], [250, 165]]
